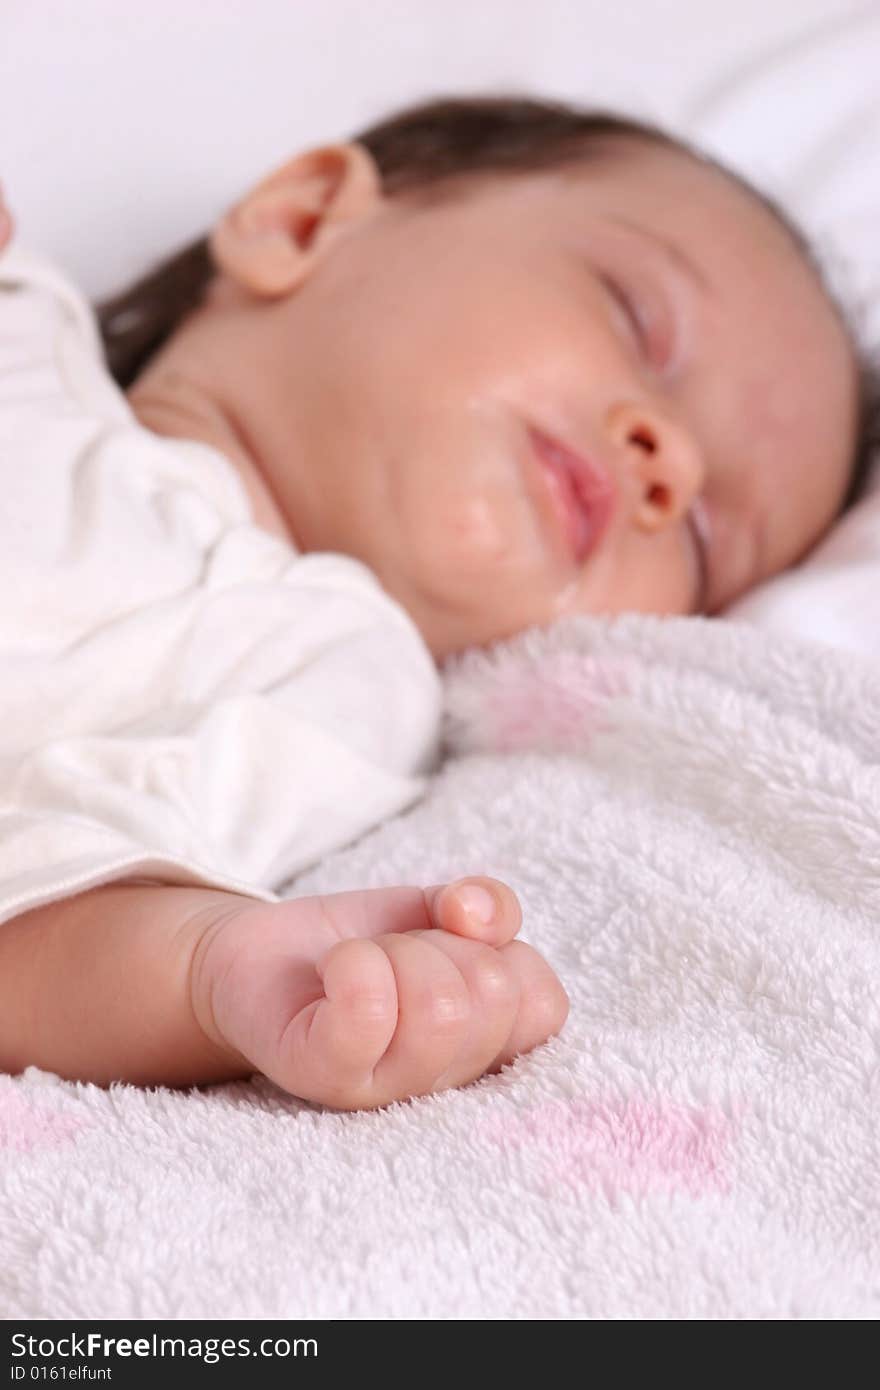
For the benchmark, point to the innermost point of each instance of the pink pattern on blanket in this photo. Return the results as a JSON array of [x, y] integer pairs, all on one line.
[[563, 705], [618, 1146], [25, 1127]]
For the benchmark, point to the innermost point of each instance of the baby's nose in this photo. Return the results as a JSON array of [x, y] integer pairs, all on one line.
[[662, 457]]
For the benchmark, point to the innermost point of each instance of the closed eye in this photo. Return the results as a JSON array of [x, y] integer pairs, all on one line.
[[623, 302], [649, 319]]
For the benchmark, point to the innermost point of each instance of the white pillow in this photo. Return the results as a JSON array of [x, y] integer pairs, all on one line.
[[804, 123]]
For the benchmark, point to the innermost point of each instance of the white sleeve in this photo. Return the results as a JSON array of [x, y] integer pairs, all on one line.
[[182, 695], [45, 324], [276, 723]]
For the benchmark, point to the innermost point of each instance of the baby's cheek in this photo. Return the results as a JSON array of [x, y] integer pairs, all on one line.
[[464, 556], [475, 533]]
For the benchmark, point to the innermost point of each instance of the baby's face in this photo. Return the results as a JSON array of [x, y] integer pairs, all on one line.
[[640, 310]]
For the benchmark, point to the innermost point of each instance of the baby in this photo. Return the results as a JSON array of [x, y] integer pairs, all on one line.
[[492, 362]]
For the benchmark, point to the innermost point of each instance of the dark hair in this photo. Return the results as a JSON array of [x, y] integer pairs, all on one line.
[[428, 150]]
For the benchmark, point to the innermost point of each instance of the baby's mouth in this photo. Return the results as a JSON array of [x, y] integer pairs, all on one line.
[[581, 493]]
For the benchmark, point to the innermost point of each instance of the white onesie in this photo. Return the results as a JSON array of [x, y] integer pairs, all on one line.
[[183, 696]]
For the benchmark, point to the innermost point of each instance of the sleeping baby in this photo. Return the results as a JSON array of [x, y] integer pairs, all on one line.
[[493, 362]]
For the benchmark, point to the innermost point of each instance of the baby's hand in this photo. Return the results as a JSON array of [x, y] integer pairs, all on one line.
[[6, 227], [354, 1000]]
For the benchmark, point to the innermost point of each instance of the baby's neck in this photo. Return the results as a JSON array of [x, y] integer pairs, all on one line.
[[167, 404]]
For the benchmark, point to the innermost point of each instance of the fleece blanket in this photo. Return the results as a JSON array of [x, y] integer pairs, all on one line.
[[690, 812]]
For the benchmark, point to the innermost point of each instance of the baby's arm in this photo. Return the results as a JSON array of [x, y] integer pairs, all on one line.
[[351, 1000], [96, 987]]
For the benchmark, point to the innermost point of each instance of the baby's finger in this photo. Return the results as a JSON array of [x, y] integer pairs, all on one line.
[[543, 1003], [493, 986], [330, 1047], [376, 911], [484, 909], [434, 1009]]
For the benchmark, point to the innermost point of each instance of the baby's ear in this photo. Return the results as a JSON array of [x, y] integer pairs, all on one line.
[[272, 238]]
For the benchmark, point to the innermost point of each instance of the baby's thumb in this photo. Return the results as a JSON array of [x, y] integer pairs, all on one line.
[[484, 909]]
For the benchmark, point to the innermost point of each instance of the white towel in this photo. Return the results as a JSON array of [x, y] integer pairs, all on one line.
[[690, 812]]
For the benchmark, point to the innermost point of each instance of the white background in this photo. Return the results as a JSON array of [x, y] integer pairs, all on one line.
[[125, 128]]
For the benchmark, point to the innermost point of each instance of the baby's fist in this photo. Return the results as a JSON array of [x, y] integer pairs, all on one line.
[[354, 1000]]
